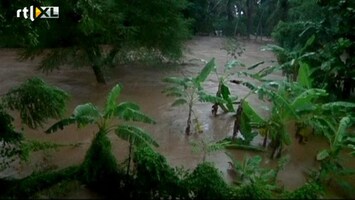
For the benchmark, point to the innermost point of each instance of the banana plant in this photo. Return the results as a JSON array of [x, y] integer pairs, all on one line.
[[321, 117], [250, 171], [286, 107], [241, 119], [189, 90], [206, 146], [223, 85], [290, 60], [341, 139], [291, 101], [223, 89], [107, 121], [224, 93]]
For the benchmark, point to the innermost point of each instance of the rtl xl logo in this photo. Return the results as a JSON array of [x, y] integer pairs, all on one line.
[[38, 12]]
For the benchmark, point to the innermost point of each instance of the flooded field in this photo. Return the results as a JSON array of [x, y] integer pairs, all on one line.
[[143, 85]]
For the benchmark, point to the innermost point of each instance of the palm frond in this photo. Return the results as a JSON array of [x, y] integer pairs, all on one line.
[[130, 112], [175, 80], [250, 85], [218, 146], [252, 114], [265, 71], [232, 64], [204, 97], [304, 75], [226, 96], [86, 114], [178, 102], [338, 106], [275, 48], [135, 135], [255, 65], [326, 125], [82, 115], [282, 103], [111, 102], [174, 92], [202, 76], [307, 97], [345, 123], [61, 124]]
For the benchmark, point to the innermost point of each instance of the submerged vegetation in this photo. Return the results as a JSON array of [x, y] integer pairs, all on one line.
[[189, 89], [315, 52], [152, 177]]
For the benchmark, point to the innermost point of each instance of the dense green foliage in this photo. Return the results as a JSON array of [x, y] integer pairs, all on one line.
[[27, 187], [81, 35], [243, 17], [206, 182], [99, 164], [332, 46], [7, 130], [155, 178], [307, 191], [106, 121], [151, 177], [36, 102], [316, 52]]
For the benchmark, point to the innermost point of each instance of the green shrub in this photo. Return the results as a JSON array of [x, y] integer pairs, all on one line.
[[251, 191], [288, 34], [99, 169], [206, 182], [27, 187], [155, 178], [308, 191]]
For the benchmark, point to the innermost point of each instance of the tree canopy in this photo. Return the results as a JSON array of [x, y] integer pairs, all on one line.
[[95, 33]]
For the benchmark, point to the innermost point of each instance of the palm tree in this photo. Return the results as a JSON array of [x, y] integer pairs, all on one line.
[[106, 121]]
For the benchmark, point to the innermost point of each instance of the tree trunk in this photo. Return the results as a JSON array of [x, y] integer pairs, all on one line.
[[284, 7], [265, 140], [347, 88], [99, 74], [277, 149], [279, 152], [215, 109], [188, 124], [237, 121], [250, 10], [230, 11], [215, 106], [129, 158]]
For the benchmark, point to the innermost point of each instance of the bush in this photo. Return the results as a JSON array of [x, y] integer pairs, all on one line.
[[99, 169], [206, 182], [155, 178], [27, 187], [308, 191], [289, 34], [251, 191]]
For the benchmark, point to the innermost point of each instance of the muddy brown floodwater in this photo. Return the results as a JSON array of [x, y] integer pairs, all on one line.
[[143, 85]]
